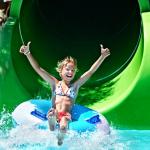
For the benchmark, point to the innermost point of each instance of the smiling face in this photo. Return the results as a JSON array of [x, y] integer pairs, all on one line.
[[68, 72], [67, 68]]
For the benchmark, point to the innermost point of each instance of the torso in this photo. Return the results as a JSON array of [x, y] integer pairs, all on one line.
[[64, 96]]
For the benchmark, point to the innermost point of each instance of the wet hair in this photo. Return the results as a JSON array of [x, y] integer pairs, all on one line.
[[64, 62]]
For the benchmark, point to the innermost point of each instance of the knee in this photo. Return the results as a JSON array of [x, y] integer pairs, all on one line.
[[63, 128]]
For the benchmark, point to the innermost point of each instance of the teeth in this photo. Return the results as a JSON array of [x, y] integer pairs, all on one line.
[[69, 76]]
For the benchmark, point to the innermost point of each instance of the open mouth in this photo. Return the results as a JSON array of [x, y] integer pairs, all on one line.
[[69, 76]]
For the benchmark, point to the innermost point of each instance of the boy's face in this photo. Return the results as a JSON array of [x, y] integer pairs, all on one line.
[[68, 72]]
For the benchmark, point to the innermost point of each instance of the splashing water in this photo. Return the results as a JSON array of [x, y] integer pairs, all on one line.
[[31, 138]]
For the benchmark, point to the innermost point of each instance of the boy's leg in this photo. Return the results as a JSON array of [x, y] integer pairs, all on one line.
[[62, 130]]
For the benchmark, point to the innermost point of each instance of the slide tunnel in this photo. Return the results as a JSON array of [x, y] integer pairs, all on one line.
[[119, 89]]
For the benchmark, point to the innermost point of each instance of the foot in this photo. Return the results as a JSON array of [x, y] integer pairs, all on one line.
[[60, 142], [61, 135], [52, 119], [60, 138], [52, 122]]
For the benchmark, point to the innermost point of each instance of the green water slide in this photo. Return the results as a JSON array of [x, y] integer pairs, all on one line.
[[119, 89], [130, 102]]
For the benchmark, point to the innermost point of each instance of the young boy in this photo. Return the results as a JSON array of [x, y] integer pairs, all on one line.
[[64, 92]]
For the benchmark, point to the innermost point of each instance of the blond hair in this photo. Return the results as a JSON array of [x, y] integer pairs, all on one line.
[[64, 62]]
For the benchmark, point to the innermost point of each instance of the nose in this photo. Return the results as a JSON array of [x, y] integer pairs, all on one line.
[[71, 72]]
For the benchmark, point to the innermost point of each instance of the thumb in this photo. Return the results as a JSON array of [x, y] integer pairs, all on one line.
[[101, 46], [28, 43]]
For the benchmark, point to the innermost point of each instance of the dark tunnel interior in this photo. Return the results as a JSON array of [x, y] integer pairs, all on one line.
[[76, 28]]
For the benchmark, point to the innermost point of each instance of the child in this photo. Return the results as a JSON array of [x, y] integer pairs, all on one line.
[[64, 92]]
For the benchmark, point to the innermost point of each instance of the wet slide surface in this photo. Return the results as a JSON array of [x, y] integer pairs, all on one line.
[[59, 33]]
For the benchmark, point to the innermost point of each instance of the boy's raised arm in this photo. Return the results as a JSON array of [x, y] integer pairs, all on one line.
[[44, 74], [104, 54]]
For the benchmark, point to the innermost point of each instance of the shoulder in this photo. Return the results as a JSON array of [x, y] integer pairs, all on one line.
[[75, 86], [54, 83], [57, 82]]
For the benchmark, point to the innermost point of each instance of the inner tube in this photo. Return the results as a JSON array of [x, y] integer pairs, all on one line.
[[34, 113]]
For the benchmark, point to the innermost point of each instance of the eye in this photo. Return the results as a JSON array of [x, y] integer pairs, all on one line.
[[67, 69]]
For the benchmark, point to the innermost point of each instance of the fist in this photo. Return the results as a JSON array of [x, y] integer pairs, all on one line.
[[25, 48], [105, 52]]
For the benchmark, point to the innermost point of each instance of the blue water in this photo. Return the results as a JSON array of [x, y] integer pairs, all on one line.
[[31, 138]]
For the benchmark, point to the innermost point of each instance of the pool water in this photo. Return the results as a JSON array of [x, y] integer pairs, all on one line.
[[31, 138]]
